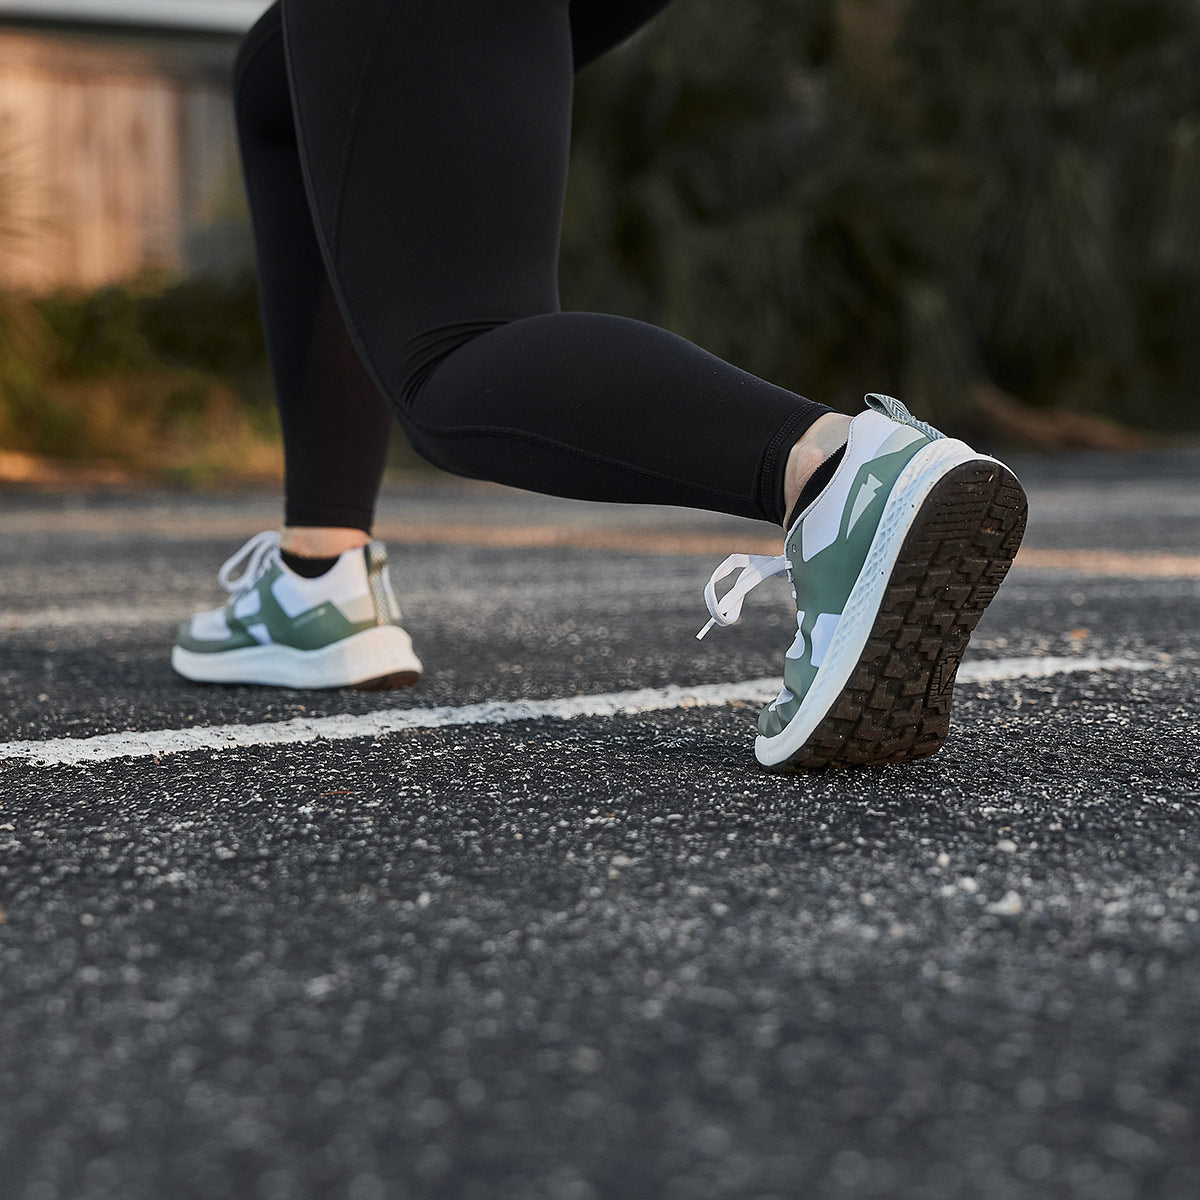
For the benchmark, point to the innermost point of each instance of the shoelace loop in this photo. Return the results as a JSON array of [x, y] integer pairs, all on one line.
[[257, 555], [727, 610]]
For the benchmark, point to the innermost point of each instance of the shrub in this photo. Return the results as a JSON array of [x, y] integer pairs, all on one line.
[[921, 195]]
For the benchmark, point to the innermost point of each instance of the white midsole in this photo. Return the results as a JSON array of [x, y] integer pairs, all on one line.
[[911, 489], [372, 654]]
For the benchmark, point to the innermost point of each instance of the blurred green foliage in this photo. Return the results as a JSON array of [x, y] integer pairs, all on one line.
[[910, 196], [168, 379], [202, 324]]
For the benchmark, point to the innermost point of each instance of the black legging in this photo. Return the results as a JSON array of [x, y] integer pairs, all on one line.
[[429, 140]]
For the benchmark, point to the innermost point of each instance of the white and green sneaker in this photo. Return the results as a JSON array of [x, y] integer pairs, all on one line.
[[341, 629], [892, 566]]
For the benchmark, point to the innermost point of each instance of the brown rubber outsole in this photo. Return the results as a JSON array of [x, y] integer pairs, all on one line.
[[896, 705], [397, 679]]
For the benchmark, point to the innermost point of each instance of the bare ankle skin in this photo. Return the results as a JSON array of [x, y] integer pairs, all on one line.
[[320, 541], [825, 435]]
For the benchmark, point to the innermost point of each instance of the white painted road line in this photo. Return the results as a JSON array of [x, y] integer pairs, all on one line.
[[107, 616], [993, 670], [157, 743]]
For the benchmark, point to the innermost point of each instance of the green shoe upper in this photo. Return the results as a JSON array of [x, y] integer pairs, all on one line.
[[826, 548], [270, 605]]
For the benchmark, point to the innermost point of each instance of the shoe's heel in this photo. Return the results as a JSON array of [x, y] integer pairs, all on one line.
[[958, 549], [387, 612]]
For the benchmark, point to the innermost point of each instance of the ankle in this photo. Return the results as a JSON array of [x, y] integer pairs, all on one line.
[[824, 437], [320, 541]]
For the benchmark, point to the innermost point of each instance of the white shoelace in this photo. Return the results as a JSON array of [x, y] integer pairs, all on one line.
[[258, 554], [727, 610]]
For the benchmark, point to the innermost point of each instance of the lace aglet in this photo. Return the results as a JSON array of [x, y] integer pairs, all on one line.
[[700, 635]]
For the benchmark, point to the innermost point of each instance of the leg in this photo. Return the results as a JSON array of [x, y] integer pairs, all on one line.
[[335, 424], [315, 608], [340, 627], [434, 136]]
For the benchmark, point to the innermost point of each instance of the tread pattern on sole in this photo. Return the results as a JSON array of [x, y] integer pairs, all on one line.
[[896, 704]]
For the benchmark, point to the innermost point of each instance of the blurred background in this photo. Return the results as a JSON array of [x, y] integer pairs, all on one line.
[[991, 210]]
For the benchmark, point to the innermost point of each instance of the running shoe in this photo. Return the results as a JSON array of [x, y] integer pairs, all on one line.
[[341, 629], [891, 568]]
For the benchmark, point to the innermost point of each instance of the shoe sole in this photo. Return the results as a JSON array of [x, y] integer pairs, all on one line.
[[373, 660], [895, 703]]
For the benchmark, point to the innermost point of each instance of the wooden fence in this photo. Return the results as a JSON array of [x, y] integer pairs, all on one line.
[[116, 157]]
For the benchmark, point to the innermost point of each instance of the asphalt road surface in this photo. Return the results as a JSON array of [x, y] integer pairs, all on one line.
[[510, 954]]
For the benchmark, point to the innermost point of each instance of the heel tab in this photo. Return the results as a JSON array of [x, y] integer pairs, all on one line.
[[387, 607], [375, 552], [890, 407]]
